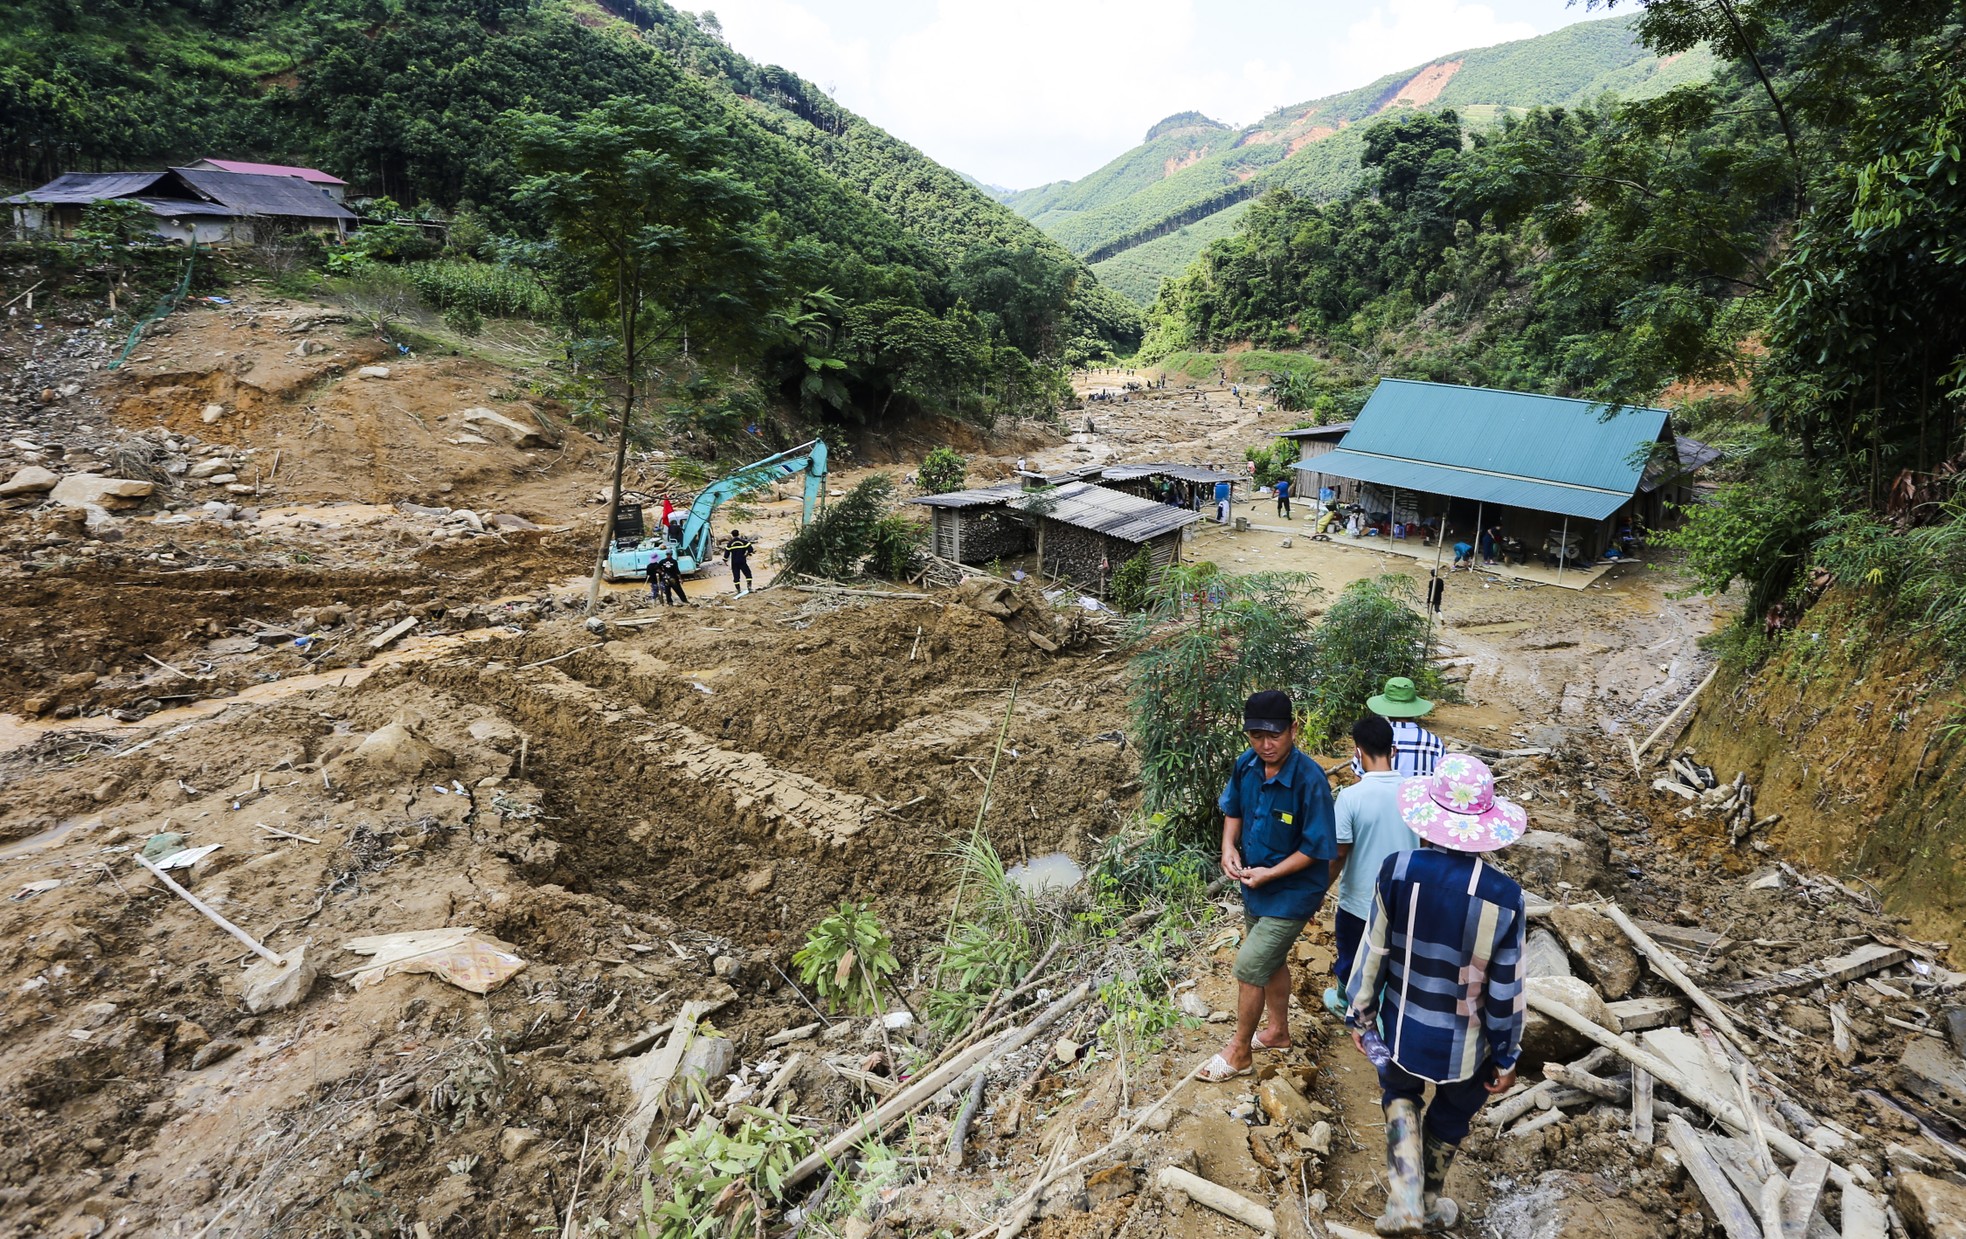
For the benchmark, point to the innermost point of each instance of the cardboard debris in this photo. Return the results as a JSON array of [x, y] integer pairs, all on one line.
[[457, 956]]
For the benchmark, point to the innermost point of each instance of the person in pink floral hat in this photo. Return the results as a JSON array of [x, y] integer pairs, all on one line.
[[1435, 995]]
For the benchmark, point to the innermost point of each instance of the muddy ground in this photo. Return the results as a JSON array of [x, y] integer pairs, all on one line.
[[657, 812]]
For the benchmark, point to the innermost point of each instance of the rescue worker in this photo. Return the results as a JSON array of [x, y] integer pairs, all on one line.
[[738, 551]]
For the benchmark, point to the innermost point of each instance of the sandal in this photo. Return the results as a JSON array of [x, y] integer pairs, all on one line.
[[1256, 1042], [1218, 1069]]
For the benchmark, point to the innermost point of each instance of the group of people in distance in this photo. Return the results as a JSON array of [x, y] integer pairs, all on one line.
[[1429, 934], [665, 574]]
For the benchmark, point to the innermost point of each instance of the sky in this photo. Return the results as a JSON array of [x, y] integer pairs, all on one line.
[[1021, 92]]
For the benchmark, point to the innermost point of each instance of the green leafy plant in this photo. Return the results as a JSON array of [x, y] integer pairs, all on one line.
[[857, 530], [943, 470], [846, 957], [722, 1184], [1131, 588], [990, 940], [1374, 631]]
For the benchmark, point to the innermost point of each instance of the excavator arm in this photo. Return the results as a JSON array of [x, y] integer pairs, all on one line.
[[694, 546]]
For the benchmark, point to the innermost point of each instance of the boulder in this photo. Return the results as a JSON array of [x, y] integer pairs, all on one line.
[[1284, 1104], [1600, 948], [206, 468], [1544, 956], [506, 520], [1543, 1039], [520, 434], [514, 1142], [1542, 858], [395, 749], [989, 596], [1932, 1208], [30, 480], [212, 413], [80, 490], [372, 372], [267, 986], [100, 523]]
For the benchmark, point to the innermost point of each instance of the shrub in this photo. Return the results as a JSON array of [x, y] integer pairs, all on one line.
[[1131, 588], [843, 537], [943, 470], [464, 320], [1374, 631], [846, 957]]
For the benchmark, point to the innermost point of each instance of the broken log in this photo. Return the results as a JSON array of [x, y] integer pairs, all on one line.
[[1504, 1112], [1672, 718], [1866, 959], [1584, 1082], [1723, 1203], [1641, 1106], [1548, 1118], [959, 1134], [1219, 1198]]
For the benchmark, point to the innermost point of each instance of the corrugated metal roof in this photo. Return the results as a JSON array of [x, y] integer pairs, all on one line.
[[975, 498], [179, 208], [82, 188], [1692, 456], [1336, 430], [264, 195], [1110, 512], [1182, 473], [1588, 502], [313, 175], [1515, 434]]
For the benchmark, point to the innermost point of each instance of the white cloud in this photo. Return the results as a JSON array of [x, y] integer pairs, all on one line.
[[1398, 34], [1019, 92]]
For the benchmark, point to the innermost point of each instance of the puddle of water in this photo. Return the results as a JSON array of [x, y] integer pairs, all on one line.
[[49, 837], [1054, 871]]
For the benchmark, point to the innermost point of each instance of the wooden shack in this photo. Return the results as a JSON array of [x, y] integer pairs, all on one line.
[[1080, 531]]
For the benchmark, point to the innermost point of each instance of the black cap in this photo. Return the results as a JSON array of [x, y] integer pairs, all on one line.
[[1268, 710]]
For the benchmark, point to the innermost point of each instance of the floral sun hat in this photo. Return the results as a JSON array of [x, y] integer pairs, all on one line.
[[1455, 807]]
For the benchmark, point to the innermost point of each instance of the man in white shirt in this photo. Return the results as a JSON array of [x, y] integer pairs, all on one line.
[[1370, 829]]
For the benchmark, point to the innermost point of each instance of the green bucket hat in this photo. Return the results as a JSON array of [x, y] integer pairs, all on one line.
[[1400, 700]]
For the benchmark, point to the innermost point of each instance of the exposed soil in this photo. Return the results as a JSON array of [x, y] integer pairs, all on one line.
[[656, 812]]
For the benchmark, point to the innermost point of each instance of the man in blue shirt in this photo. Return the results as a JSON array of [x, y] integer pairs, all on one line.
[[1278, 840], [1282, 489]]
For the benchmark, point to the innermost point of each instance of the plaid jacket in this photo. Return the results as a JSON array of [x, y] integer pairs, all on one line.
[[1416, 751], [1440, 966]]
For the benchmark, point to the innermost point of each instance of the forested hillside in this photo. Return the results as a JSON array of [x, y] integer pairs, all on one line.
[[1783, 237], [1180, 177], [405, 98]]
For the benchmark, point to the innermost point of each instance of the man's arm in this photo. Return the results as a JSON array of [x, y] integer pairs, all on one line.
[[1338, 862], [1232, 849]]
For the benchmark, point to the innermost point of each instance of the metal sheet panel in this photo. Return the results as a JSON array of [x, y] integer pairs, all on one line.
[[1516, 492], [1086, 506], [1516, 434], [264, 195]]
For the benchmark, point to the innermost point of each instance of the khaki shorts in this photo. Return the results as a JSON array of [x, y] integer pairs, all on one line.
[[1266, 943]]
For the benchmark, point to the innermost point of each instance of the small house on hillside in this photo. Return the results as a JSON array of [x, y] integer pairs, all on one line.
[[1080, 530], [1313, 442], [333, 186], [1563, 476], [191, 205], [1182, 486]]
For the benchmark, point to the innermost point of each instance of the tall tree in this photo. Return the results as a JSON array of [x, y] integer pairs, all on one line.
[[639, 197]]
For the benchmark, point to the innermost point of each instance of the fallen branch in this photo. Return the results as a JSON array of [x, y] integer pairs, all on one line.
[[180, 674], [276, 960], [959, 1134], [1672, 718], [557, 657], [860, 593], [277, 833]]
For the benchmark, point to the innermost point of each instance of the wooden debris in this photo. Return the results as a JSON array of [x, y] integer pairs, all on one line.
[[1936, 1076], [1866, 959], [1219, 1198], [1723, 1203], [1674, 717], [1701, 942], [784, 1076], [390, 637], [1548, 1118], [1513, 1107], [1839, 1031], [173, 670], [1863, 1215], [1641, 1106], [789, 1035], [1640, 1014], [1666, 966], [1584, 1082], [1805, 1189], [923, 1088], [557, 657], [860, 593], [959, 1134], [277, 833], [277, 961]]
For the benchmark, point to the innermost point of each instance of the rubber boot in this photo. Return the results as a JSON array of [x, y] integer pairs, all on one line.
[[1437, 1158], [1334, 1001], [1404, 1174]]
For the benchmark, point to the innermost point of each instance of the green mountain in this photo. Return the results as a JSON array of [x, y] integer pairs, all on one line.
[[404, 98], [1147, 214]]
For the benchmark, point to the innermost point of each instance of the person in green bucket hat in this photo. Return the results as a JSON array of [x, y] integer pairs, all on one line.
[[1416, 751]]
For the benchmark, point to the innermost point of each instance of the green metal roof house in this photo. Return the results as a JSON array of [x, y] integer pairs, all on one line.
[[1480, 455], [1544, 453]]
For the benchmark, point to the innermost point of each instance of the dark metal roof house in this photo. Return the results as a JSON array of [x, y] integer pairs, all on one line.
[[189, 204], [333, 186], [1080, 530]]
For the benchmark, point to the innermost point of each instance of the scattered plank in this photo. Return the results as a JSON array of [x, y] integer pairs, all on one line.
[[1839, 1032], [789, 1035], [1219, 1198], [1702, 942], [860, 593], [1863, 1215], [1641, 1106], [1805, 1189], [277, 833], [1722, 1202], [1641, 1014], [390, 637], [1866, 959], [780, 1079], [1935, 1076]]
